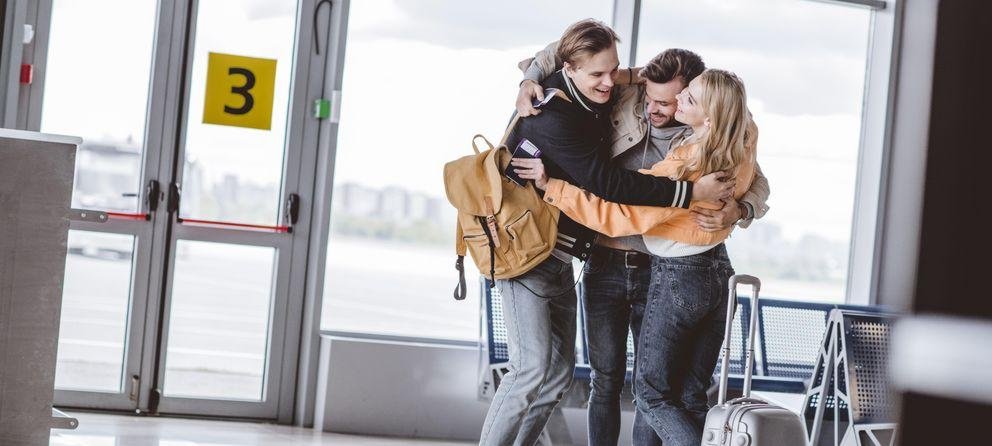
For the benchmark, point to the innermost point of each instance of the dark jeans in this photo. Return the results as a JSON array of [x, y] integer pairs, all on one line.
[[680, 342], [615, 294]]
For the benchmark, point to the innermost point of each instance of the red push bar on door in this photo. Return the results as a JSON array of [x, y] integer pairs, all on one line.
[[128, 216], [231, 225], [92, 216]]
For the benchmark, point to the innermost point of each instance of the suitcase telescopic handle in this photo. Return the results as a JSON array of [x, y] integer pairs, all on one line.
[[752, 326], [744, 279]]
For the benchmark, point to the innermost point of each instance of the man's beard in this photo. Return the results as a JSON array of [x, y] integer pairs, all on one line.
[[666, 123]]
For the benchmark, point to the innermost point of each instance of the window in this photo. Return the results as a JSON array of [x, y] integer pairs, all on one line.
[[420, 78], [803, 64]]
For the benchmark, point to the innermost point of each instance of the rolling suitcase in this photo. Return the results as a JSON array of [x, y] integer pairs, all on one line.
[[748, 421]]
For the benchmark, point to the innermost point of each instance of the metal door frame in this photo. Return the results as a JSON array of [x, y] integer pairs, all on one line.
[[283, 344], [163, 140]]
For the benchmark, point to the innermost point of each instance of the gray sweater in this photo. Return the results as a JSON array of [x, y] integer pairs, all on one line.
[[652, 150]]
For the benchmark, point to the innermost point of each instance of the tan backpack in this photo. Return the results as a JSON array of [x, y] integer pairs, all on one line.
[[507, 228]]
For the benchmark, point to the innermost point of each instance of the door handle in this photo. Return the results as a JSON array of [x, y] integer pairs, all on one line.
[[152, 198], [174, 192], [292, 210]]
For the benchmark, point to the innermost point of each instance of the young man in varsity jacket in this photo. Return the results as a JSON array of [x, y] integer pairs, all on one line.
[[617, 274], [539, 306]]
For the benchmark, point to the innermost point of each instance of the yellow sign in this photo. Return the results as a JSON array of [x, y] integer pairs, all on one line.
[[239, 91]]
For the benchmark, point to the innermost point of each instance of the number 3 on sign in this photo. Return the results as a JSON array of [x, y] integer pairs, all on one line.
[[239, 91]]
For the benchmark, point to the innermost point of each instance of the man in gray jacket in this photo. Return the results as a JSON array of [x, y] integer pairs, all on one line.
[[617, 275]]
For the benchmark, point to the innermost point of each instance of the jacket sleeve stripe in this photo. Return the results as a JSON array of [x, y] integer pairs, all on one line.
[[681, 193], [678, 193]]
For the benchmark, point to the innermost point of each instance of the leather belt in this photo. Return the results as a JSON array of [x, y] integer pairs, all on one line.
[[629, 259]]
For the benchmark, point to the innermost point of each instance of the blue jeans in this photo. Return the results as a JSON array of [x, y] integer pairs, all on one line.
[[615, 294], [539, 311], [680, 342]]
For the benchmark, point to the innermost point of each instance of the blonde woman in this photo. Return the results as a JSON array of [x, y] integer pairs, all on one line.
[[686, 309]]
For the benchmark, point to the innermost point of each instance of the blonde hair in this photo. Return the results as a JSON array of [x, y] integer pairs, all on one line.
[[731, 138], [584, 38]]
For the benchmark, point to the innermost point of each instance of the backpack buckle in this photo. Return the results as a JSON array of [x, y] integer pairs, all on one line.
[[491, 220]]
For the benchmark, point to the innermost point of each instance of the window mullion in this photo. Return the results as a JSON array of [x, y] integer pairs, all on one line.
[[626, 17]]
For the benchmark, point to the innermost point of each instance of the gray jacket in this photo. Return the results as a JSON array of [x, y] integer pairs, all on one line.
[[630, 128]]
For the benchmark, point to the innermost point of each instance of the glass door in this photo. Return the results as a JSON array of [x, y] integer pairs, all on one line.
[[194, 116], [232, 210], [106, 278]]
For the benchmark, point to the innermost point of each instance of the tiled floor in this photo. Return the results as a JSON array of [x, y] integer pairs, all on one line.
[[126, 430]]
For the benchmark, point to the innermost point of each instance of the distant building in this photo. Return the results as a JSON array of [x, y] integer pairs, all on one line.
[[417, 206], [393, 204], [237, 199], [356, 200], [436, 208]]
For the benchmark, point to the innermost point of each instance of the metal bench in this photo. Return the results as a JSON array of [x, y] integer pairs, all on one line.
[[790, 334], [850, 379], [494, 355]]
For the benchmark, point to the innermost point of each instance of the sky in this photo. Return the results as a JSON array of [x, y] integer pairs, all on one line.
[[422, 76]]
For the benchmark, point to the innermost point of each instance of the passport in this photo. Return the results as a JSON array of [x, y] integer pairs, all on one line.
[[525, 149]]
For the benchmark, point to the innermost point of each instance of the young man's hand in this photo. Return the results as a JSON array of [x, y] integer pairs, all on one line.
[[717, 220], [713, 187], [531, 169], [529, 90]]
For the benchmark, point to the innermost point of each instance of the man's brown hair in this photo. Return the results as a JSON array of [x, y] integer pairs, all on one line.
[[673, 63], [585, 38]]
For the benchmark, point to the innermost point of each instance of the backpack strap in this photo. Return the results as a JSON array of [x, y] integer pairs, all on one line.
[[492, 252], [516, 117], [476, 147], [460, 263]]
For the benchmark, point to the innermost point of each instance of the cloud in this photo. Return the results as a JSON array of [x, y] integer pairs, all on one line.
[[473, 24], [267, 9], [789, 27], [796, 57]]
